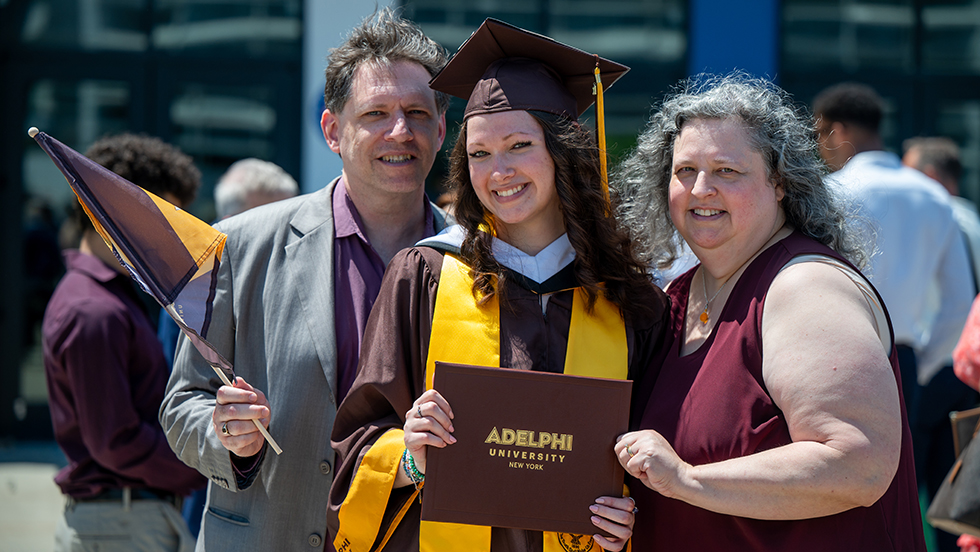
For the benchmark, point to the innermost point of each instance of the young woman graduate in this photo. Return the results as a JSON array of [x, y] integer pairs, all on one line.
[[536, 268]]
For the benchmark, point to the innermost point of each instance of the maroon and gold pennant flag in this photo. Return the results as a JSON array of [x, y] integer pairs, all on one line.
[[173, 255]]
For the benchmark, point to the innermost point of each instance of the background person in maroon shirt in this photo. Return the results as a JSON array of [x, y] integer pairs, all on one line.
[[106, 375]]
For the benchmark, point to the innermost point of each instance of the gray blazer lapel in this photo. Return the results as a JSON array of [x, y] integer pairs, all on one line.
[[310, 267], [310, 273]]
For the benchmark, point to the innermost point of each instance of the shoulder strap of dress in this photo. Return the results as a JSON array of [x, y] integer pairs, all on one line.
[[881, 321]]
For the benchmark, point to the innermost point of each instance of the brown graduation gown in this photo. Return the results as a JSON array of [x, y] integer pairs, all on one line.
[[391, 369]]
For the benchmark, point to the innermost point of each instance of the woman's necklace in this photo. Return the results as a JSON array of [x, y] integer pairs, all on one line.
[[707, 303], [704, 286]]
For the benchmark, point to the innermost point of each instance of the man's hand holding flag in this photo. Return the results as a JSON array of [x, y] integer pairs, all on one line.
[[173, 255]]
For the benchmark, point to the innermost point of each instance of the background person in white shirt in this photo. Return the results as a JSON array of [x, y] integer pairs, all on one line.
[[922, 258], [938, 158]]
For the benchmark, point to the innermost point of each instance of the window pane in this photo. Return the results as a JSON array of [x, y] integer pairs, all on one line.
[[85, 24], [649, 36], [636, 29], [450, 22], [256, 28], [77, 113], [848, 35], [960, 120], [951, 37], [218, 125]]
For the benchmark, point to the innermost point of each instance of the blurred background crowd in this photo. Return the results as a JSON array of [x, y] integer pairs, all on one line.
[[225, 80]]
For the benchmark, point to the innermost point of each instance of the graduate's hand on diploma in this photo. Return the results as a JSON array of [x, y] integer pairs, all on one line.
[[615, 515], [233, 414], [429, 422]]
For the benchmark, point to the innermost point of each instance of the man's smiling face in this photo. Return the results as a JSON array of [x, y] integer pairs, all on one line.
[[389, 130]]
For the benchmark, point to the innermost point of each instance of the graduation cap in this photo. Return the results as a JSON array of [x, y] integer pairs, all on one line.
[[501, 67]]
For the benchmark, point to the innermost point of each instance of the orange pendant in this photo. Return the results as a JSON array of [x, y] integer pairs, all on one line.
[[704, 316]]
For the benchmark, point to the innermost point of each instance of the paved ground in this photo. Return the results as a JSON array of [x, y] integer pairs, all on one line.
[[30, 502]]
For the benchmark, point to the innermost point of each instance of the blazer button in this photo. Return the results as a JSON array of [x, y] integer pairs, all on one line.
[[325, 467], [315, 540]]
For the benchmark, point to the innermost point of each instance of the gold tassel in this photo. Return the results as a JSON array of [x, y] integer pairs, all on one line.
[[601, 130]]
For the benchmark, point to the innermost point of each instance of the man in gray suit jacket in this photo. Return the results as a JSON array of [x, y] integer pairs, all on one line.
[[296, 283]]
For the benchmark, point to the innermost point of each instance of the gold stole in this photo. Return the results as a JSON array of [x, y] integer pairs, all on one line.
[[466, 333]]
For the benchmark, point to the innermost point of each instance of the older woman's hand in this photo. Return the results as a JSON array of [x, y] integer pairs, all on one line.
[[616, 516], [648, 457], [428, 423]]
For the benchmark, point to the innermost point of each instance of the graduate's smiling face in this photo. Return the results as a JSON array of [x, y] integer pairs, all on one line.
[[513, 175]]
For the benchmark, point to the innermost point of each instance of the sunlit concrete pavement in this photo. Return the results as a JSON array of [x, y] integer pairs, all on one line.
[[30, 502]]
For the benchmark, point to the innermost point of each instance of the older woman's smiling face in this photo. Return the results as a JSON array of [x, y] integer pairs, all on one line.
[[721, 198]]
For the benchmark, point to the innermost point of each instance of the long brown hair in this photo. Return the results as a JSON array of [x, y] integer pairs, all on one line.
[[604, 259]]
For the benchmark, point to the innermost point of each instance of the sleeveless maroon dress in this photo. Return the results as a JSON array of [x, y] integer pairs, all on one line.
[[712, 405]]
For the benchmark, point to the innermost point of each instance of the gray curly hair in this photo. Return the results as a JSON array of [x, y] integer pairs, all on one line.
[[780, 131]]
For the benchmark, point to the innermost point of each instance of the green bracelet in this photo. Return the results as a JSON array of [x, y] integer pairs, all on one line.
[[411, 470], [408, 473]]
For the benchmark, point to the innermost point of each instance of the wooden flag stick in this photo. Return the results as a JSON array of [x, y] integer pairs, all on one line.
[[258, 424], [218, 363]]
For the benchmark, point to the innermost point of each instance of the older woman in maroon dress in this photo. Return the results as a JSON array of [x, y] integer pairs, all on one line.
[[776, 421]]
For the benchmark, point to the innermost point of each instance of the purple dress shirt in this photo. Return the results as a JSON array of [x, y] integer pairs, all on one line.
[[358, 271], [106, 376]]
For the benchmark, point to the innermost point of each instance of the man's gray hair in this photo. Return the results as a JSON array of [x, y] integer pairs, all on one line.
[[779, 130], [383, 38], [248, 178], [940, 152]]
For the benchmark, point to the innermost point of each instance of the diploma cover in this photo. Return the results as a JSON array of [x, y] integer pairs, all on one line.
[[533, 450]]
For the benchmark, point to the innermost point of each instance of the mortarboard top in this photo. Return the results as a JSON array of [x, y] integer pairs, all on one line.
[[504, 68]]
